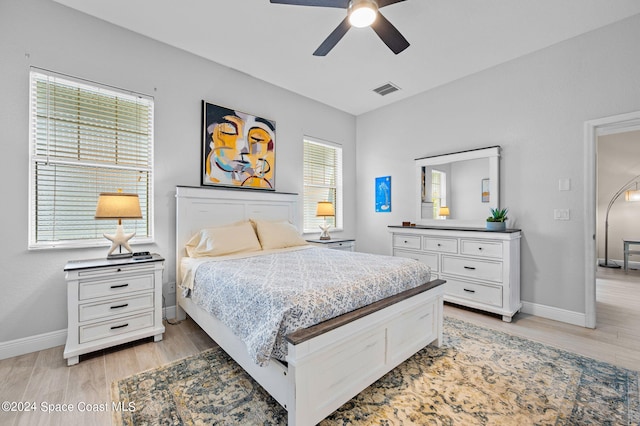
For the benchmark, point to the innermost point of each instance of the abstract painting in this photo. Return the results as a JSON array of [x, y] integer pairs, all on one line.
[[238, 149], [383, 194]]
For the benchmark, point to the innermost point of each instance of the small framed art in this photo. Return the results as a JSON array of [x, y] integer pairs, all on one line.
[[383, 194]]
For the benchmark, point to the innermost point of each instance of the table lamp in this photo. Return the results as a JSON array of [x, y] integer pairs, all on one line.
[[118, 205], [324, 209], [444, 212]]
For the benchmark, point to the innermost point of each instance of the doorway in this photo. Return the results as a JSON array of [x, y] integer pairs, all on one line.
[[594, 130]]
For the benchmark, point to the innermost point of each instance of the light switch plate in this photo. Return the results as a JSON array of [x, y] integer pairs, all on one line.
[[564, 184], [561, 214]]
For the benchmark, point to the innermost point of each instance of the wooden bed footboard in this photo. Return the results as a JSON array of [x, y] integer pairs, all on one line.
[[334, 361]]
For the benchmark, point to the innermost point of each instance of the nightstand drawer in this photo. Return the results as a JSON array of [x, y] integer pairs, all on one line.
[[429, 259], [481, 248], [445, 245], [113, 328], [481, 293], [472, 268], [122, 285], [92, 311], [116, 270], [407, 241]]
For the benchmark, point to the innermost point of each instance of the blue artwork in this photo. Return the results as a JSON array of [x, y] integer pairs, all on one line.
[[383, 194]]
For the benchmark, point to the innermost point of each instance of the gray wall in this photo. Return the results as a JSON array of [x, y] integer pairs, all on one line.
[[535, 108], [47, 35]]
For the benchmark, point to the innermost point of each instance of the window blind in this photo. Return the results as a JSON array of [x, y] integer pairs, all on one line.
[[86, 139], [322, 182]]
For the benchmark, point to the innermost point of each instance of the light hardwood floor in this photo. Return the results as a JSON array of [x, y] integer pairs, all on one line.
[[43, 377]]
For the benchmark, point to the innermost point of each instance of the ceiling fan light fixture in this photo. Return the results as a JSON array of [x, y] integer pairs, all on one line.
[[362, 13]]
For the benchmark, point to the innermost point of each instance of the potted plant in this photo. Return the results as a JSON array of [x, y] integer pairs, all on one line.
[[497, 220]]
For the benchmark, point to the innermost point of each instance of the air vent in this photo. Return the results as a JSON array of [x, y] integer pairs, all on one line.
[[385, 89]]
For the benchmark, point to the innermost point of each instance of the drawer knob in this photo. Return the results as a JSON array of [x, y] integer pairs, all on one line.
[[406, 242], [119, 270], [120, 306], [470, 267], [119, 326], [438, 244], [120, 285], [469, 291], [479, 248]]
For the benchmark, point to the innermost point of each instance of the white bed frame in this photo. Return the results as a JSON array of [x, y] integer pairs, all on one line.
[[328, 364]]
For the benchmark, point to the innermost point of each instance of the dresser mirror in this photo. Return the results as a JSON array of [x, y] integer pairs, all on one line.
[[458, 189]]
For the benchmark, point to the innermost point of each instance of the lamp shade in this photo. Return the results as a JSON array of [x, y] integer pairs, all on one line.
[[444, 211], [118, 205], [632, 195], [325, 208]]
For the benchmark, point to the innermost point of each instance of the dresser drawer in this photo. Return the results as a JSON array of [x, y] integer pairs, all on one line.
[[108, 329], [472, 268], [491, 249], [115, 287], [481, 293], [445, 245], [407, 241], [92, 311], [429, 259]]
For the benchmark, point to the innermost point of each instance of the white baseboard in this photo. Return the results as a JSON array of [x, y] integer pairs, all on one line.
[[52, 339], [556, 314], [30, 344], [169, 312]]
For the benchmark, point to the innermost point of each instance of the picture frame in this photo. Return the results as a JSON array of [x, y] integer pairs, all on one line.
[[486, 195], [383, 194], [237, 149]]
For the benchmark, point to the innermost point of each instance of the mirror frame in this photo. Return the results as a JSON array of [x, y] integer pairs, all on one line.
[[492, 153]]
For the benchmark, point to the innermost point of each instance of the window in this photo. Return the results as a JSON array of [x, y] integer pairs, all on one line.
[[438, 191], [86, 139], [322, 182]]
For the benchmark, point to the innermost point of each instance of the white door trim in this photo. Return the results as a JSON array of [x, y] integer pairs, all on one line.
[[593, 129]]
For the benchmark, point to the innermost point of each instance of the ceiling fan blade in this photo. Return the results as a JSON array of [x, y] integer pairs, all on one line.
[[389, 34], [342, 4], [333, 38], [383, 3]]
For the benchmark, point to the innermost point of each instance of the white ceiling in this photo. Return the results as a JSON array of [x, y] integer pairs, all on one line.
[[449, 39]]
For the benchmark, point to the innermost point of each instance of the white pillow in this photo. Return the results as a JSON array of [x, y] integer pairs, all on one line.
[[235, 238], [277, 234]]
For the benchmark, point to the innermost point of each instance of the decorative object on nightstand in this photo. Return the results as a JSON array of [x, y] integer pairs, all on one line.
[[344, 244], [324, 209], [629, 195], [118, 205], [444, 212], [498, 220], [111, 302]]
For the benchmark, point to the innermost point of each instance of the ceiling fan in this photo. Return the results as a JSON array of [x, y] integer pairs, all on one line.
[[360, 13]]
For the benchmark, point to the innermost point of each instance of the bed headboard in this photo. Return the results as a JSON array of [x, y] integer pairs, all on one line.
[[198, 208]]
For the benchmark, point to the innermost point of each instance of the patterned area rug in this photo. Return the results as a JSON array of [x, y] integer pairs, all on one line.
[[478, 377]]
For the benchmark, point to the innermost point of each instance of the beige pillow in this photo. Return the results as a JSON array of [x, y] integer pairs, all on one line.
[[277, 234], [221, 240]]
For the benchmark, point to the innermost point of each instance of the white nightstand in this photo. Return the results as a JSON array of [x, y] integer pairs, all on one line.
[[111, 302], [346, 244]]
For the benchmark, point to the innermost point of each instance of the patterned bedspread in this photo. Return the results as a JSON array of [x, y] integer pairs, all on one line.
[[265, 297]]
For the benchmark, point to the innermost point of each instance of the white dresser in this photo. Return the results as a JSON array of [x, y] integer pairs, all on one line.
[[111, 302], [482, 268]]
